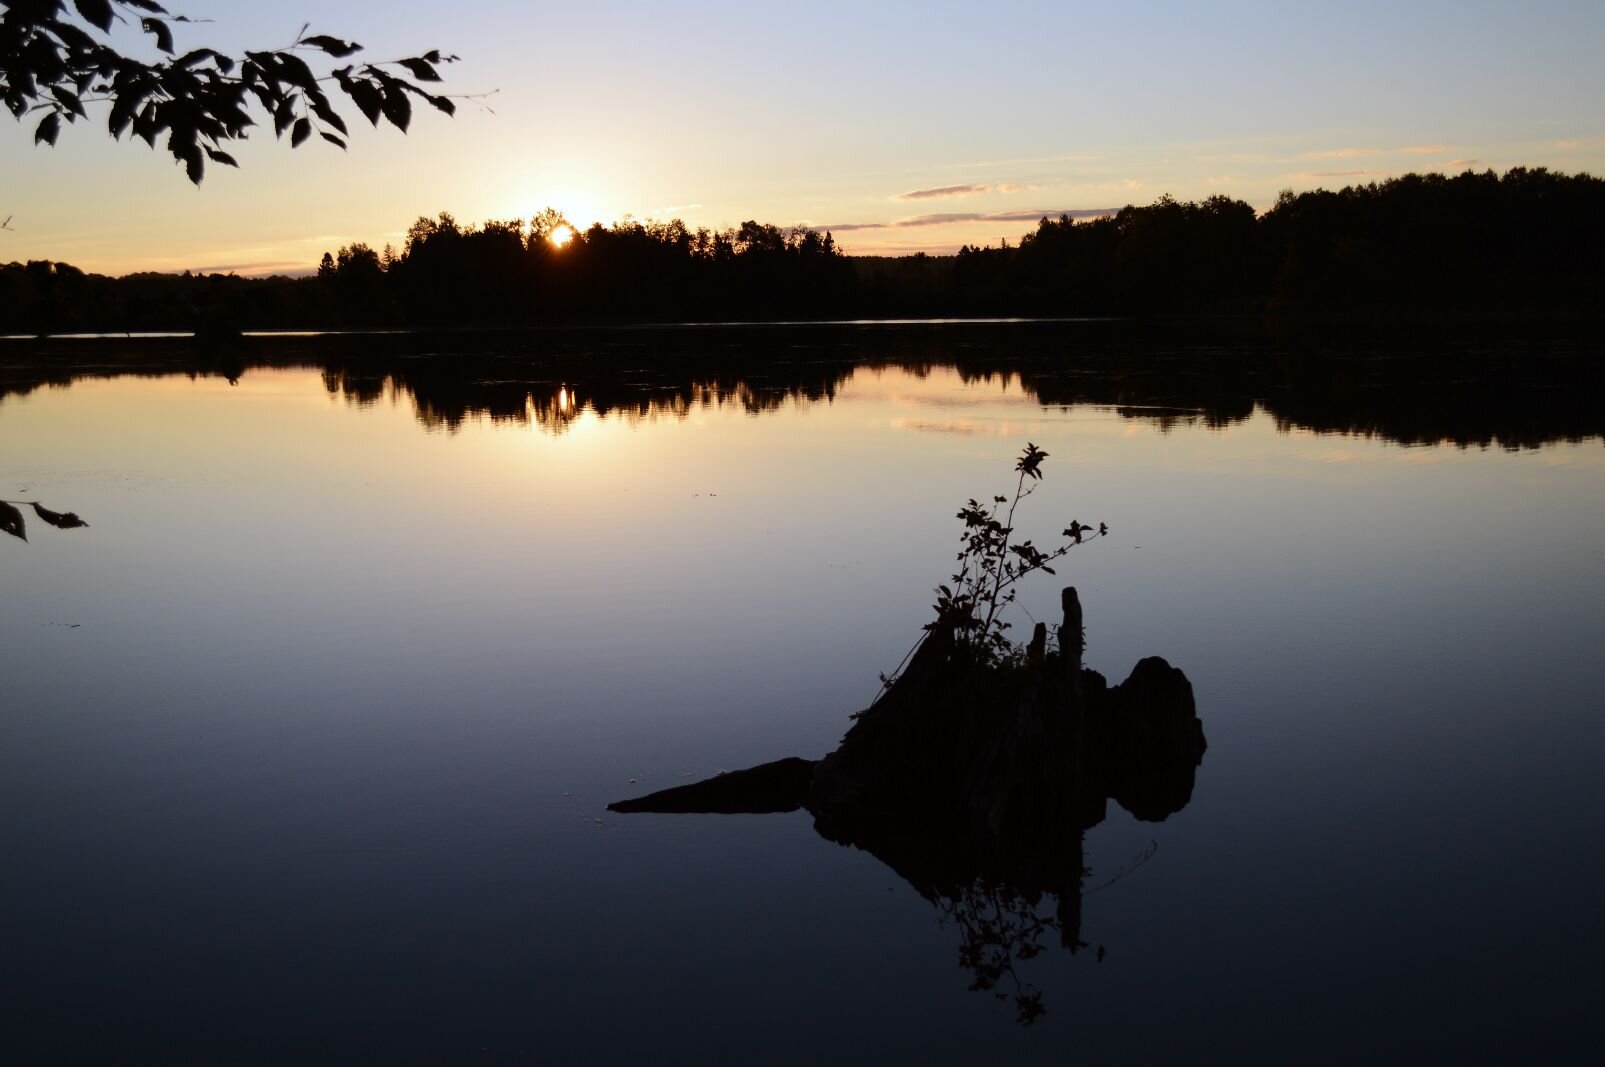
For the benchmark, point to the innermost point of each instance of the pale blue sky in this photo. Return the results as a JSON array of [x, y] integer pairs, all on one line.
[[830, 114]]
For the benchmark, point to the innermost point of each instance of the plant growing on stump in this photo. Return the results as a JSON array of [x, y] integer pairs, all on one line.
[[991, 565]]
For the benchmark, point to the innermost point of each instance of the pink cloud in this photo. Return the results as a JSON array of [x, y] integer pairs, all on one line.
[[945, 218], [944, 191]]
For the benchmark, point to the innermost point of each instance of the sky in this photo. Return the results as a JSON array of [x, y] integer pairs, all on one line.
[[900, 127]]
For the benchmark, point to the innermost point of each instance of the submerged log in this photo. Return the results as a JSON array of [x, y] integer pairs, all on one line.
[[769, 787]]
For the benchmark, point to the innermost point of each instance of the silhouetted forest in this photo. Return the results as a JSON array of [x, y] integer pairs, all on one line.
[[1525, 241]]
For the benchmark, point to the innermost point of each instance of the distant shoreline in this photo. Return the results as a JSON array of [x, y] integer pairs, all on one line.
[[1557, 324]]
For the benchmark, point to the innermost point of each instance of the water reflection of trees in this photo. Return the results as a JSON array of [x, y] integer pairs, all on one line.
[[1512, 398], [554, 395], [1504, 391]]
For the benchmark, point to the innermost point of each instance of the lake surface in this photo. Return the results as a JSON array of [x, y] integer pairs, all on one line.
[[307, 742]]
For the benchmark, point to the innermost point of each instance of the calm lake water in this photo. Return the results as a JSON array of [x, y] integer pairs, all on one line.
[[307, 741]]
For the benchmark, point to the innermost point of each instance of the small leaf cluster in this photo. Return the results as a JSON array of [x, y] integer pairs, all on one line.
[[197, 102], [11, 518], [991, 564]]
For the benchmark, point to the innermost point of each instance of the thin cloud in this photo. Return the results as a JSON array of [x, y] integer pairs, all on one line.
[[947, 218], [1463, 164], [1338, 174], [942, 192], [1342, 153], [1364, 153], [280, 266], [1243, 157], [1019, 162]]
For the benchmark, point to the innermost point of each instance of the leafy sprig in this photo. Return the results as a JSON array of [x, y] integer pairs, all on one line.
[[201, 100], [992, 563]]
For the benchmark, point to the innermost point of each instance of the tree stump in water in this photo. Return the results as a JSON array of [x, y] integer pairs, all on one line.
[[997, 753]]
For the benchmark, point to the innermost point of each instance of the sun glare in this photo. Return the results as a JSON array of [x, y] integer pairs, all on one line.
[[561, 236]]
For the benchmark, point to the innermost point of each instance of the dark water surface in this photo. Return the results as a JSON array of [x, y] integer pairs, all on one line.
[[306, 743]]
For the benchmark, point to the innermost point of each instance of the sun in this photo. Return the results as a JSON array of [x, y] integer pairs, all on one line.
[[561, 236]]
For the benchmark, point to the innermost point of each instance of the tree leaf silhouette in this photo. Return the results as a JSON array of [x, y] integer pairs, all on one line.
[[158, 29], [60, 520], [332, 45], [97, 13], [367, 97], [421, 69], [11, 521], [397, 108]]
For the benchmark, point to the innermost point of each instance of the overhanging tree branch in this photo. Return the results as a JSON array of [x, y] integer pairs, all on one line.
[[52, 63]]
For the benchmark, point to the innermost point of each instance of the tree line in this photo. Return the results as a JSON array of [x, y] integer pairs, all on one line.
[[547, 270], [1526, 240]]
